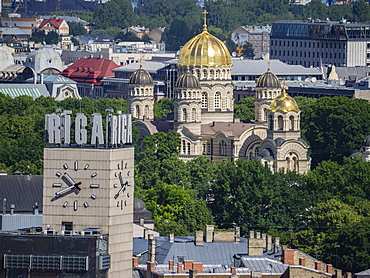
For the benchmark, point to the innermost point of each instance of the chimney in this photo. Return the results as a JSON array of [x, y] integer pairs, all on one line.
[[36, 209], [269, 242], [150, 266], [12, 207], [171, 265], [258, 235], [237, 234], [233, 270], [318, 266], [192, 273], [141, 221], [135, 262], [302, 262], [4, 206], [198, 267], [151, 248], [198, 237], [251, 234], [277, 243], [171, 238], [329, 268], [146, 233], [188, 265], [179, 267], [288, 256], [209, 233]]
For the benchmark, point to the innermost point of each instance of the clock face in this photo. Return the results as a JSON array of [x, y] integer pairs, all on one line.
[[121, 184], [72, 179]]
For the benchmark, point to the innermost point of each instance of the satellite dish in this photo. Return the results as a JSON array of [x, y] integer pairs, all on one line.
[[313, 79]]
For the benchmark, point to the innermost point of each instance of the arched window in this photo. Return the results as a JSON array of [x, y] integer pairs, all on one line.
[[271, 122], [228, 101], [265, 114], [204, 100], [204, 150], [193, 115], [146, 111], [217, 99], [137, 111], [183, 146], [184, 115], [222, 146], [295, 164], [288, 163], [188, 148], [291, 120], [205, 74], [280, 123], [256, 151], [211, 74]]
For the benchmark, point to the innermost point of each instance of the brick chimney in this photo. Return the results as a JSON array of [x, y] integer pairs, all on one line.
[[198, 267], [329, 268], [302, 262], [199, 238], [233, 270], [135, 261], [188, 265], [288, 256], [150, 266], [209, 233], [179, 267], [171, 265], [318, 266]]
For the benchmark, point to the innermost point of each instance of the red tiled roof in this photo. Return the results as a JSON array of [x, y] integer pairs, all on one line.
[[90, 70], [55, 22]]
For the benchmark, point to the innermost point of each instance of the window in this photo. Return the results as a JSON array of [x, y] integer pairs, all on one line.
[[222, 148], [271, 122], [67, 226], [204, 100], [137, 111], [217, 99], [183, 146], [188, 148], [184, 115], [146, 109], [193, 115], [256, 151], [280, 123], [291, 120]]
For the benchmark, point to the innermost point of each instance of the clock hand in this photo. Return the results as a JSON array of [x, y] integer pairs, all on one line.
[[123, 186], [69, 188]]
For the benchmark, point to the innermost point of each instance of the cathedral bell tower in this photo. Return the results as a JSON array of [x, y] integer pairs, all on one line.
[[141, 95], [268, 87], [187, 104]]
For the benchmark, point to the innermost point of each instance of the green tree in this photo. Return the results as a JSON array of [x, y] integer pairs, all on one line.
[[163, 108], [115, 13], [335, 127], [361, 11], [244, 109], [76, 28], [51, 38]]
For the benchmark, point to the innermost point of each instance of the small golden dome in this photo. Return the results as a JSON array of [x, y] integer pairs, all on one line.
[[268, 80], [204, 50], [284, 103]]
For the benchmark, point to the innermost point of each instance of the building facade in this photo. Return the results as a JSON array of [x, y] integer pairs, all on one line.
[[317, 43]]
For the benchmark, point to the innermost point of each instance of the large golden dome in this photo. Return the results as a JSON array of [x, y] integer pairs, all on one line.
[[204, 50], [284, 103]]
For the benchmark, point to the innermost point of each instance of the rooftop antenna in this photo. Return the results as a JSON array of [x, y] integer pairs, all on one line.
[[205, 20]]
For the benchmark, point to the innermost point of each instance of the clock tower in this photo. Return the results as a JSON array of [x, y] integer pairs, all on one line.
[[89, 188]]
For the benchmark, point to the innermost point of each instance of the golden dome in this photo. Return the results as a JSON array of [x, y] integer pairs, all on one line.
[[268, 80], [204, 50], [284, 103]]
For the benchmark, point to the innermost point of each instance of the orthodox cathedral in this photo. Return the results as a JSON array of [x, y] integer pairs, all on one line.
[[204, 116]]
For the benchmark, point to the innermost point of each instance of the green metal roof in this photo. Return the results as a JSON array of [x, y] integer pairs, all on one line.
[[16, 90]]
